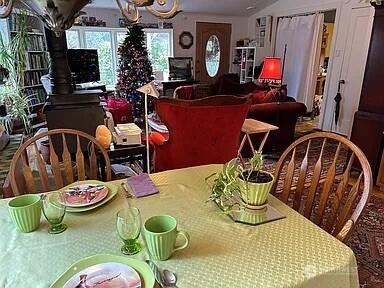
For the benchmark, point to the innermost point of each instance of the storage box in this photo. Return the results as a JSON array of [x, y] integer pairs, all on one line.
[[127, 134]]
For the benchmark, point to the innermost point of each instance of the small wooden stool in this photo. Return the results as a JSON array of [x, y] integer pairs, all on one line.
[[252, 126]]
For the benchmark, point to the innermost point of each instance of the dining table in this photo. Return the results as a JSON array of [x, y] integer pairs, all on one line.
[[290, 252]]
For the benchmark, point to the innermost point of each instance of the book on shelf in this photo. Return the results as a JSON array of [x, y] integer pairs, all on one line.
[[33, 78], [36, 61], [35, 43]]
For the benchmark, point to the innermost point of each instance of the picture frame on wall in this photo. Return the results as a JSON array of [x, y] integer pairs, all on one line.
[[122, 22], [186, 40]]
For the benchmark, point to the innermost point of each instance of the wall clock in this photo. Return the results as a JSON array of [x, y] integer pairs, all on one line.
[[186, 40]]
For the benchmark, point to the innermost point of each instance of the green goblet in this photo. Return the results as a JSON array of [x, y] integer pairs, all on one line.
[[54, 211], [128, 228]]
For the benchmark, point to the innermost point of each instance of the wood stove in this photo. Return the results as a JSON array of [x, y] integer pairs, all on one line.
[[66, 108]]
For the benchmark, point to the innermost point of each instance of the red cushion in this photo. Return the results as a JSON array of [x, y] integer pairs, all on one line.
[[270, 96], [257, 97], [156, 138]]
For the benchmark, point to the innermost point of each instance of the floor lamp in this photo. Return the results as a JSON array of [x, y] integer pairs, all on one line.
[[148, 90]]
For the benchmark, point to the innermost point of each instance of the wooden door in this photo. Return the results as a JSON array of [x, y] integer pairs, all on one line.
[[213, 42]]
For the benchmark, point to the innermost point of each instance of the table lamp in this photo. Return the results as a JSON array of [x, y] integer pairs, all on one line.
[[148, 90], [271, 73]]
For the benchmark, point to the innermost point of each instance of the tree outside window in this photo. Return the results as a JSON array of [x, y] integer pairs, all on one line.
[[159, 50], [102, 42]]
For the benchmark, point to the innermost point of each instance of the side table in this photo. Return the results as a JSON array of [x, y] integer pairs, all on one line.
[[252, 126], [123, 154]]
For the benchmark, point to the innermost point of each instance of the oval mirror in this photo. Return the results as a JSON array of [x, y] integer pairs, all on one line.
[[212, 56]]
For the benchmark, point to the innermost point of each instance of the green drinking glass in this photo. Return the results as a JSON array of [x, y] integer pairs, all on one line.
[[128, 228], [54, 208]]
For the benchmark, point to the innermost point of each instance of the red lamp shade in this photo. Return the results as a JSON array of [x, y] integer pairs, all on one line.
[[271, 70]]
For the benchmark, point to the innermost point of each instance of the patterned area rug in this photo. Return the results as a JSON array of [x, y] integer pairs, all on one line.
[[367, 241], [6, 158]]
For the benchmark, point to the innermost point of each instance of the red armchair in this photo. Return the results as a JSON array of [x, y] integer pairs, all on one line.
[[204, 131]]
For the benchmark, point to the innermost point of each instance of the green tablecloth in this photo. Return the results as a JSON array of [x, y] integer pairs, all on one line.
[[291, 252]]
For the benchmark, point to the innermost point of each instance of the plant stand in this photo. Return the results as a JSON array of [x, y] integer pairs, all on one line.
[[252, 126]]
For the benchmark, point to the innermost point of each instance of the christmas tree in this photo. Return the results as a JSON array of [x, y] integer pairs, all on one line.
[[134, 70]]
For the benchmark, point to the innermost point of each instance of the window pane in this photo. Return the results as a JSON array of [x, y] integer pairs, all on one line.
[[120, 38], [212, 56], [73, 39], [159, 50], [102, 42]]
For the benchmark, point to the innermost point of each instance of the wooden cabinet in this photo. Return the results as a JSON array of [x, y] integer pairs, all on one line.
[[368, 127], [380, 177]]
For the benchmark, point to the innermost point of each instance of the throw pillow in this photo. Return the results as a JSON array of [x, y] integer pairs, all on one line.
[[271, 96], [257, 97], [157, 139]]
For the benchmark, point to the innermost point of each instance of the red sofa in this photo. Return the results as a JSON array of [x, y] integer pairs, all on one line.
[[205, 131], [268, 106]]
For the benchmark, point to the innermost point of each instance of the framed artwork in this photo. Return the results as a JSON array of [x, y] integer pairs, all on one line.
[[186, 40]]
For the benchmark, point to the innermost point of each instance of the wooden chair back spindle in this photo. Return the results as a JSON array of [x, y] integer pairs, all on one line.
[[330, 199], [58, 165]]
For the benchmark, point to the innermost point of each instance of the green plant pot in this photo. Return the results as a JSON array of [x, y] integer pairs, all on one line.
[[255, 194]]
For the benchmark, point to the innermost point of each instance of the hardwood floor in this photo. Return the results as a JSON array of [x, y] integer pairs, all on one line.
[[378, 193]]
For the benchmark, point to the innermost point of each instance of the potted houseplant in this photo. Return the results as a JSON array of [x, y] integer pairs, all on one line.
[[254, 183], [242, 184], [13, 66]]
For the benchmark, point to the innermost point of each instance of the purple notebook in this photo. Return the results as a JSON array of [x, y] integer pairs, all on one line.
[[142, 185]]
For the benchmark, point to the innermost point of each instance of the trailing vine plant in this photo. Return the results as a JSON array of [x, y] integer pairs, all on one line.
[[225, 190]]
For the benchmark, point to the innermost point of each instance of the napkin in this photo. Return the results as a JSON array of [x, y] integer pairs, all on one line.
[[142, 185]]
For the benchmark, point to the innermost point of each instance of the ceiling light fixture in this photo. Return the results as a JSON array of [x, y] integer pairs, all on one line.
[[250, 7], [59, 15], [130, 10]]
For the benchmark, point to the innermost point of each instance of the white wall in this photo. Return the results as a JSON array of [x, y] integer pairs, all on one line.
[[343, 19], [182, 22]]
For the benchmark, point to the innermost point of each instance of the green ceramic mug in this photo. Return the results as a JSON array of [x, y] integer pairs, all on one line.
[[25, 212], [160, 233]]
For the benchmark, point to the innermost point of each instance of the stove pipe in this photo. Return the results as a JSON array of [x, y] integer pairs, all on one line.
[[60, 73]]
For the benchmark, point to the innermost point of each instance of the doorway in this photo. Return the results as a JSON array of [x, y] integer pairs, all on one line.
[[306, 40], [213, 42], [325, 54]]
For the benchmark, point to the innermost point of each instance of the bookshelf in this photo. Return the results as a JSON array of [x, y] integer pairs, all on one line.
[[36, 60], [245, 63], [36, 57]]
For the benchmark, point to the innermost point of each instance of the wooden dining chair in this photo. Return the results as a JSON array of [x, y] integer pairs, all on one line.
[[68, 150], [317, 178]]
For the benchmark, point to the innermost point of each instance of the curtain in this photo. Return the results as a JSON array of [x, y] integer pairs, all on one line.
[[302, 36]]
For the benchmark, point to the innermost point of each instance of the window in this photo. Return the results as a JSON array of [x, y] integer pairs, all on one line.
[[120, 36], [102, 41], [159, 48], [107, 41], [73, 39], [212, 56]]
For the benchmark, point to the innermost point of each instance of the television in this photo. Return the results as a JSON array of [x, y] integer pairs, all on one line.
[[180, 67], [84, 63]]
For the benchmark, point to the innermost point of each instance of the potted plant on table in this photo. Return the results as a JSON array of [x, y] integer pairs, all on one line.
[[242, 184]]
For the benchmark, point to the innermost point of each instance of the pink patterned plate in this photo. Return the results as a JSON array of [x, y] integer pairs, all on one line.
[[85, 195], [105, 275]]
